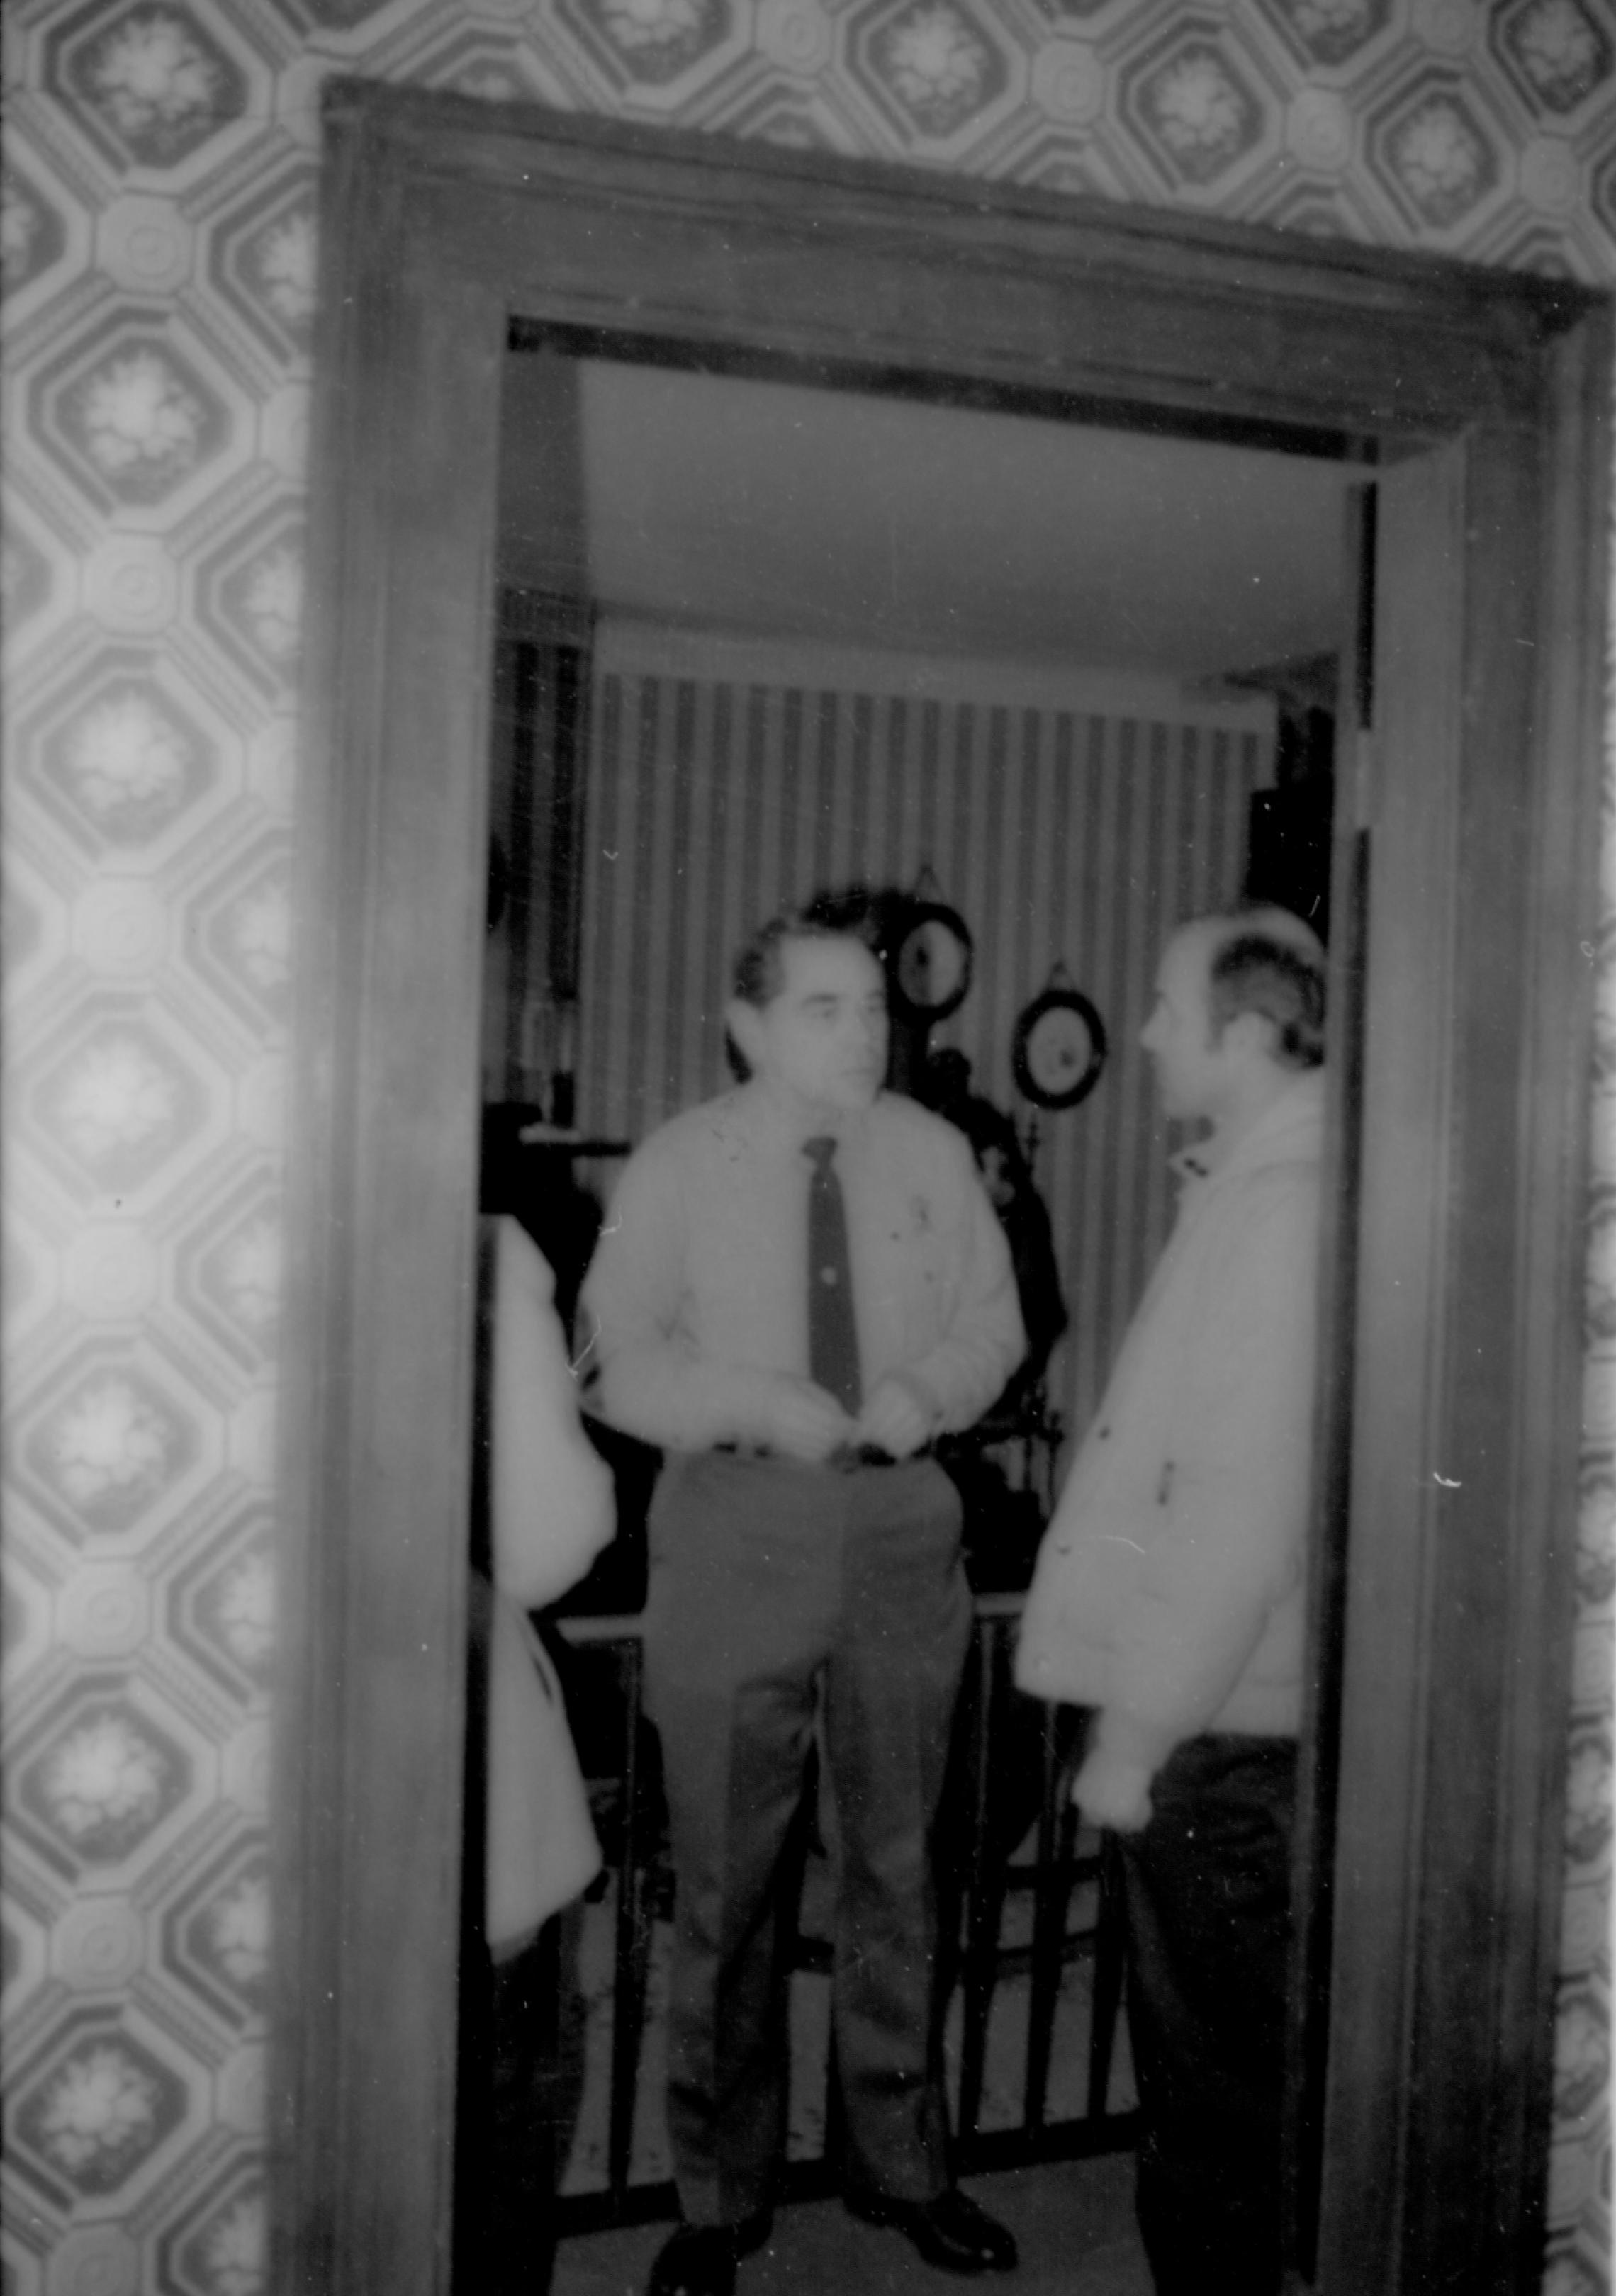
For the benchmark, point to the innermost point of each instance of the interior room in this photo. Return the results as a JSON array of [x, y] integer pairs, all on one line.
[[1061, 685], [260, 259], [1464, 832], [782, 638]]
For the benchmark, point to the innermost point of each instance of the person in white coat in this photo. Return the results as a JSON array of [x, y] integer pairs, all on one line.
[[1169, 1596], [545, 1509]]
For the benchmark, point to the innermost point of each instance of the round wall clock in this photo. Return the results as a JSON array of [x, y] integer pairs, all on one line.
[[931, 963], [1059, 1048]]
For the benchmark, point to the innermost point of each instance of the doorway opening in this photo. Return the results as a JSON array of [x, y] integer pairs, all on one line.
[[1072, 681]]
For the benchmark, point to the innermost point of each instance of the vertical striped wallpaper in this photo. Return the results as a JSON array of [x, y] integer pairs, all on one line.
[[1058, 831]]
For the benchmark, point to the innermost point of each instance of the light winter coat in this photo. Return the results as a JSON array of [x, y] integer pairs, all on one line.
[[1169, 1585], [551, 1509]]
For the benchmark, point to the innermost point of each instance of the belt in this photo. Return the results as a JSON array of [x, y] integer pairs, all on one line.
[[846, 1461], [871, 1455]]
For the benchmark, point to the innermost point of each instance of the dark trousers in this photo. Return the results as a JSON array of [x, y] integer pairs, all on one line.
[[520, 2050], [521, 2079], [784, 1599], [1208, 1886]]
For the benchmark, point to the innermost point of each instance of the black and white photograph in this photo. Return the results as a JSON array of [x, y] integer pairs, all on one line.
[[810, 1321]]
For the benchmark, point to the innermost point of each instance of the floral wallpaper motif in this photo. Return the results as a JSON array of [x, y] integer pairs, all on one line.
[[251, 593], [1439, 158], [110, 1440], [222, 1609], [116, 1106], [262, 256], [1330, 31], [242, 934], [153, 81], [1197, 112], [133, 426], [282, 266], [653, 43], [103, 1777], [937, 66], [129, 761], [220, 2250], [1559, 50], [104, 1785], [102, 2110], [158, 221], [25, 579], [31, 236]]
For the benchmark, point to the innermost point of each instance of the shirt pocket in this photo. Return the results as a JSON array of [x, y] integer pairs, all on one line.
[[919, 1274]]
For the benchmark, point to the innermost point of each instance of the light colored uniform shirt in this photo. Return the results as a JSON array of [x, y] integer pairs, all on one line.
[[698, 1288]]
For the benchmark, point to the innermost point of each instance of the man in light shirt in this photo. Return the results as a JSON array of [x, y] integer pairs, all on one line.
[[799, 1286], [1167, 1599]]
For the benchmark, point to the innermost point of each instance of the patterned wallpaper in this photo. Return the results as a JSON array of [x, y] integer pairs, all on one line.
[[157, 227]]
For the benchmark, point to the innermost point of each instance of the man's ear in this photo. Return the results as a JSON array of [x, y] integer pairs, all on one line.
[[1255, 1033], [744, 1022]]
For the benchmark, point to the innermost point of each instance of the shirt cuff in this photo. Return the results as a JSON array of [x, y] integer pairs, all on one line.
[[1125, 1739]]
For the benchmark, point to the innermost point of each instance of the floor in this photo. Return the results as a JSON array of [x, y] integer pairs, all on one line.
[[1074, 2224], [590, 1960], [1073, 2221]]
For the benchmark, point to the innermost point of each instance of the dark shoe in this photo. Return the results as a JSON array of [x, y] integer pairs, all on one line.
[[700, 2260], [951, 2232]]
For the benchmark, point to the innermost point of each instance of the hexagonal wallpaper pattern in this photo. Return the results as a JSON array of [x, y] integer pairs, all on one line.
[[157, 264]]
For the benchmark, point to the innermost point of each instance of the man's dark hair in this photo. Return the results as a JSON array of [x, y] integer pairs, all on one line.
[[847, 915], [851, 915], [1255, 971]]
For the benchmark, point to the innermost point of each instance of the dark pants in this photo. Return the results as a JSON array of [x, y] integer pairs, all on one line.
[[521, 2080], [1208, 1887], [783, 1598], [520, 2049]]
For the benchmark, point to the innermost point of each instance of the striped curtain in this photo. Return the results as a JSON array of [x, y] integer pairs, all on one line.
[[1058, 833]]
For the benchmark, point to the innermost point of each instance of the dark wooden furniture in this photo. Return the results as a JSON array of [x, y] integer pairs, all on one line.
[[1467, 782]]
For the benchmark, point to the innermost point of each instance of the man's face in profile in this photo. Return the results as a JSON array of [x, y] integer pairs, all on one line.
[[1191, 1062]]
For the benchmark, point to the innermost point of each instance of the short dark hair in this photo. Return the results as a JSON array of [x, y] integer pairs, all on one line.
[[1254, 972], [849, 914]]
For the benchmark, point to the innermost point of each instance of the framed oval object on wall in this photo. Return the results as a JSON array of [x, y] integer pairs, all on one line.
[[1059, 1048], [931, 965]]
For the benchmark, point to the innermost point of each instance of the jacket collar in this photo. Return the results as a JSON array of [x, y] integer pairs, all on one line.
[[1291, 1131]]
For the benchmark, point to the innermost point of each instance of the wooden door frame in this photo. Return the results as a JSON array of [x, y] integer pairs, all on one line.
[[441, 217]]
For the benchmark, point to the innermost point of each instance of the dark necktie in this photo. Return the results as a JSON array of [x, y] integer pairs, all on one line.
[[833, 1336]]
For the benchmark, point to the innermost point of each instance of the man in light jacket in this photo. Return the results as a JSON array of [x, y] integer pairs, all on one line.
[[1169, 1595]]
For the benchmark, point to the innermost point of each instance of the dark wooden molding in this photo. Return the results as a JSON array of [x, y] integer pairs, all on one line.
[[443, 221]]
